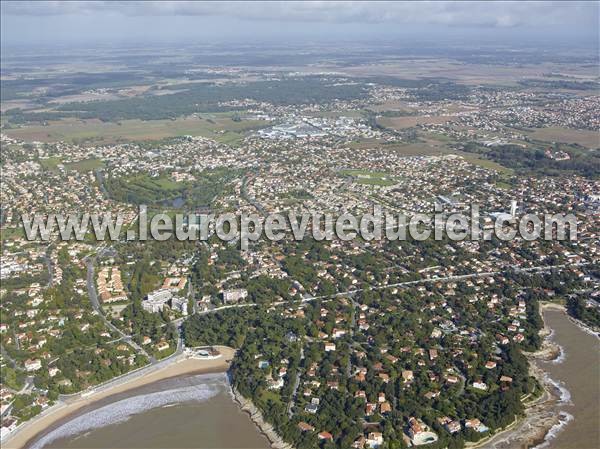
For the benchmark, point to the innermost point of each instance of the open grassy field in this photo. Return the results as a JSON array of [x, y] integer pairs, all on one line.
[[439, 137], [50, 163], [85, 165], [503, 185], [402, 149], [220, 127], [392, 105], [12, 233], [432, 146], [410, 121], [144, 189], [584, 137], [337, 114], [482, 162]]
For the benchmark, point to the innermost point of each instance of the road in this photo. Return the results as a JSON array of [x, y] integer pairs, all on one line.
[[27, 387], [100, 178], [8, 357], [49, 266], [190, 295], [352, 329], [346, 293], [296, 383], [91, 287], [251, 200]]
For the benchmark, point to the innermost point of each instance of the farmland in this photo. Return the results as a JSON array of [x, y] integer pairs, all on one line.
[[220, 127]]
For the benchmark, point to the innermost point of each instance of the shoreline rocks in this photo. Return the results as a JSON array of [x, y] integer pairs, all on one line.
[[540, 414], [257, 418], [528, 431]]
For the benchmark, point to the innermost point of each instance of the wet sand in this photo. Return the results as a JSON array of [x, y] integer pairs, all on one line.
[[58, 413]]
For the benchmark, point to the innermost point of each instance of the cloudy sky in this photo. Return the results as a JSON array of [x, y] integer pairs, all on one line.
[[73, 22]]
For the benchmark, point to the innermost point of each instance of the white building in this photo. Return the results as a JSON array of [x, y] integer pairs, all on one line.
[[33, 365], [8, 425], [374, 440], [180, 304], [234, 295], [157, 299]]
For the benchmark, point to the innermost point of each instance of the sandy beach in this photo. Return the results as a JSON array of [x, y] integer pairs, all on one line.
[[60, 411], [529, 431]]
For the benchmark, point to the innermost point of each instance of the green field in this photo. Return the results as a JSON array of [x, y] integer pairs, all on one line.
[[50, 163], [366, 177], [485, 163], [431, 147], [12, 233], [584, 137], [85, 165], [503, 185], [82, 166], [143, 189], [164, 193], [219, 126], [491, 165]]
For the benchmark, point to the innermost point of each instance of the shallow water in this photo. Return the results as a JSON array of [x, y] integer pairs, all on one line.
[[198, 411], [578, 374], [186, 412]]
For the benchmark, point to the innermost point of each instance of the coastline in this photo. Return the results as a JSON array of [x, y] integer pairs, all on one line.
[[526, 431], [33, 428], [531, 430], [257, 418]]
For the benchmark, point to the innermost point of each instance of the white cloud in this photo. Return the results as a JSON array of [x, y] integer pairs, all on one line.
[[488, 14]]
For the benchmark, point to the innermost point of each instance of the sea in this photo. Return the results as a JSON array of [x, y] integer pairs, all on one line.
[[197, 411], [193, 411], [576, 372]]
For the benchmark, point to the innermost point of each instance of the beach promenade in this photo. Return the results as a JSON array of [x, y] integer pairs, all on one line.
[[175, 366]]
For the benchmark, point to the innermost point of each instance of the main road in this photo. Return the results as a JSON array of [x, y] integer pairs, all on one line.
[[459, 277], [91, 288]]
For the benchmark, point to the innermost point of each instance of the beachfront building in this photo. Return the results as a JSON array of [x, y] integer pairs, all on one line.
[[203, 353], [8, 425]]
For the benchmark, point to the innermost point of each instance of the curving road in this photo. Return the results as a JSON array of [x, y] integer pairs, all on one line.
[[91, 287]]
